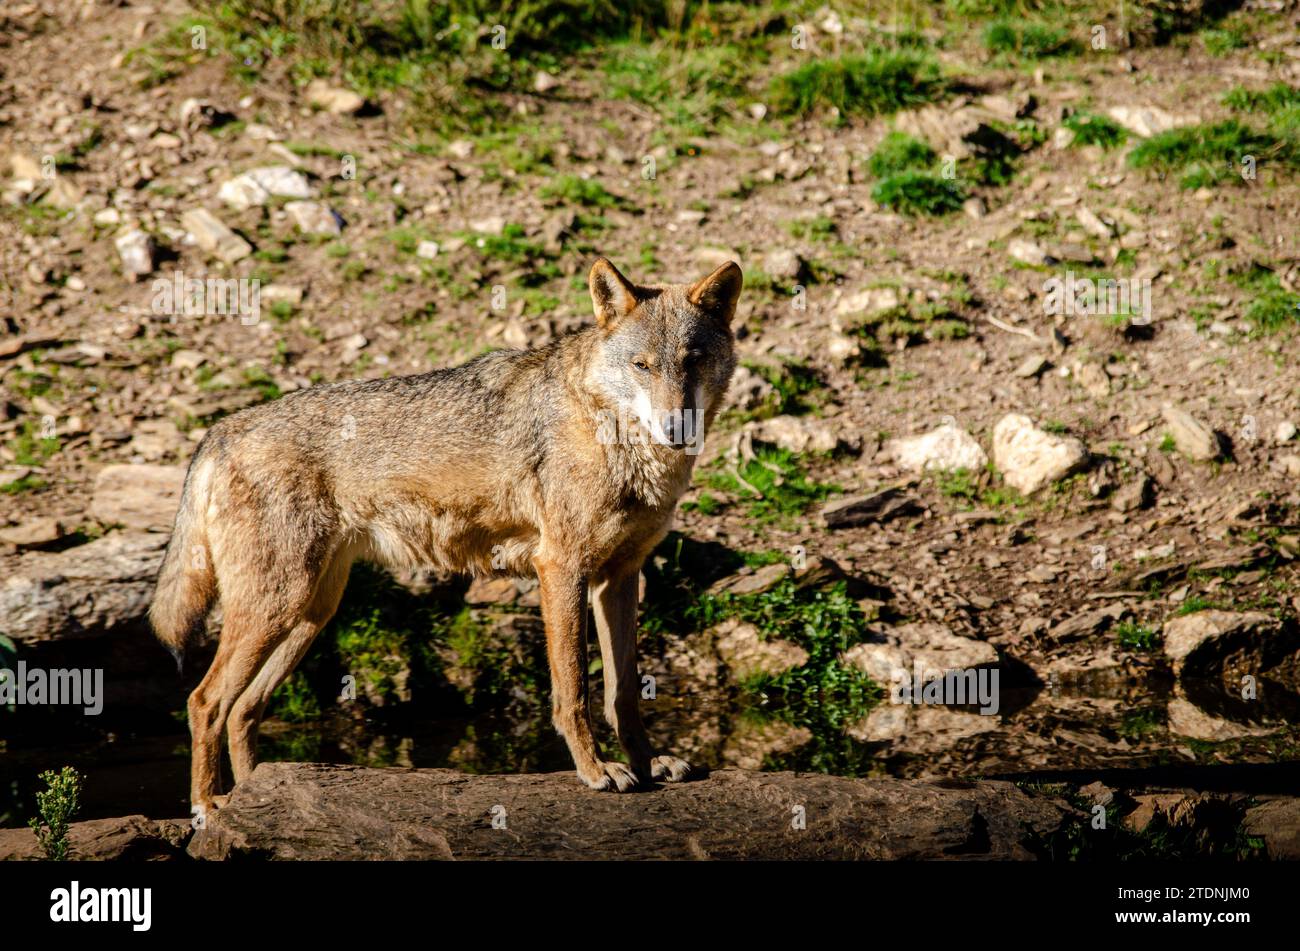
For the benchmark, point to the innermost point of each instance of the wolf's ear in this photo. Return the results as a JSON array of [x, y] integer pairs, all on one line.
[[717, 294], [612, 295]]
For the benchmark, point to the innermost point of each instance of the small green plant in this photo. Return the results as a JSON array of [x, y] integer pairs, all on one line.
[[899, 152], [1135, 637], [581, 191], [918, 193], [772, 485], [1032, 41], [56, 806], [1207, 155], [878, 82], [1272, 100], [1167, 443], [1089, 128], [1222, 42]]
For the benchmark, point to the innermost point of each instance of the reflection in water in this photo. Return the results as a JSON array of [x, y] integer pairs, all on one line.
[[1153, 728]]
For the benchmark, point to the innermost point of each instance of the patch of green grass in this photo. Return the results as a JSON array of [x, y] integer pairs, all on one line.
[[1028, 40], [587, 192], [918, 193], [823, 693], [795, 388], [1221, 42], [692, 88], [1273, 308], [29, 447], [1268, 101], [899, 152], [878, 82], [1089, 128], [1205, 155], [783, 489], [819, 228]]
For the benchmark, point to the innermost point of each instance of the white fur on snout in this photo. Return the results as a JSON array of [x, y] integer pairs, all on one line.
[[649, 418]]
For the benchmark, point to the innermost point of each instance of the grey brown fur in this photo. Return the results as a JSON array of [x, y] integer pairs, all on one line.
[[494, 465]]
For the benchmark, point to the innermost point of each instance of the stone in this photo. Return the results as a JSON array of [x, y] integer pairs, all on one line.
[[86, 591], [1277, 822], [1089, 623], [795, 433], [1147, 121], [308, 811], [427, 250], [856, 510], [747, 654], [490, 589], [130, 839], [312, 217], [214, 236], [137, 252], [33, 533], [1030, 458], [755, 582], [1285, 432], [1093, 224], [1135, 494], [1187, 719], [1193, 438], [1026, 252], [1228, 644], [334, 99], [945, 449], [748, 390], [895, 651], [784, 264], [188, 359], [281, 181], [544, 82], [209, 403], [1032, 366], [142, 497], [241, 192]]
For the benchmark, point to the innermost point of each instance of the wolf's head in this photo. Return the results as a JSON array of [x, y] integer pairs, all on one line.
[[666, 353]]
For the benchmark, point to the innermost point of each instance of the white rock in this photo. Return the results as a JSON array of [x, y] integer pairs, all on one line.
[[242, 192], [1285, 432], [213, 235], [312, 217], [427, 250], [1147, 121], [1030, 458], [333, 98], [282, 181], [795, 433], [1026, 252], [945, 449], [136, 249], [1193, 438]]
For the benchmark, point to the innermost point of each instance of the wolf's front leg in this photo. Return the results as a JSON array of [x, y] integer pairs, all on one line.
[[564, 611], [615, 607]]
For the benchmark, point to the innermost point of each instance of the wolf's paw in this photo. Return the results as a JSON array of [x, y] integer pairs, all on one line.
[[669, 769], [612, 777]]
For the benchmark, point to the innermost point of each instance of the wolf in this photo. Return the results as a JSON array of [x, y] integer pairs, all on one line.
[[503, 463]]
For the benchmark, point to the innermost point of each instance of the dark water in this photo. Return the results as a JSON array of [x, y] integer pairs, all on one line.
[[1136, 734]]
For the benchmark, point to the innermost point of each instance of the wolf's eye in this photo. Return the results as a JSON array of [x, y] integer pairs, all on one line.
[[693, 356], [641, 365]]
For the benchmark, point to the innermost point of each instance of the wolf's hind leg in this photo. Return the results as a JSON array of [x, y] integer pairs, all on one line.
[[246, 714]]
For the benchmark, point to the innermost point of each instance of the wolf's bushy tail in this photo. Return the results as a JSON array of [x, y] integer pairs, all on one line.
[[187, 583]]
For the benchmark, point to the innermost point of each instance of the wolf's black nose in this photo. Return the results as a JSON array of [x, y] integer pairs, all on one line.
[[671, 424]]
